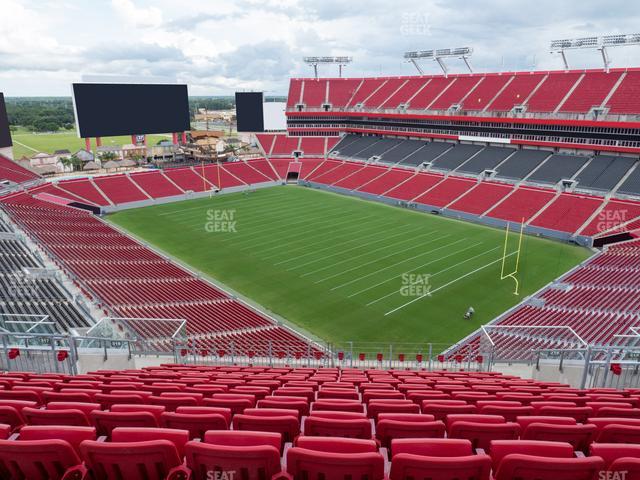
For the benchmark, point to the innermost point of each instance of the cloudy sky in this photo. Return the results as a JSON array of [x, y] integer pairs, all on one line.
[[219, 46]]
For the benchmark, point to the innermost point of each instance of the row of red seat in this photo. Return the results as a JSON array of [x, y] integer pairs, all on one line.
[[546, 92], [179, 429]]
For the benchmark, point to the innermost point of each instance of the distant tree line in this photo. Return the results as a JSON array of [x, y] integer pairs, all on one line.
[[49, 114]]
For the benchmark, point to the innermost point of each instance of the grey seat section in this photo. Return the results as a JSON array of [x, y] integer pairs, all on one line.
[[487, 159], [378, 148], [557, 167], [427, 154], [604, 172], [404, 149], [360, 144], [521, 163], [632, 184], [455, 157], [345, 141]]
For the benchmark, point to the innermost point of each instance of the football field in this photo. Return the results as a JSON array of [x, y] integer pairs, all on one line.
[[346, 269]]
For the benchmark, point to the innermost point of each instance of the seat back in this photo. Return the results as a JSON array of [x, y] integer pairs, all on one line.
[[408, 467], [287, 426], [387, 430], [336, 445], [86, 408], [178, 437], [35, 416], [293, 403], [481, 434], [579, 436], [105, 422], [36, 459], [502, 448], [348, 428], [529, 467], [195, 424], [615, 433], [250, 462], [155, 410], [242, 439], [314, 465], [525, 421], [610, 452], [151, 460], [73, 435], [432, 447]]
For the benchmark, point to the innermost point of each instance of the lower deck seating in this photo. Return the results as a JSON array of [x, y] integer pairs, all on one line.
[[178, 421]]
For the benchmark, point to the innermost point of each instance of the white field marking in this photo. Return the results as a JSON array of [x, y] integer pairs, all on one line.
[[287, 238], [408, 271], [182, 210], [257, 213], [437, 273], [359, 246], [382, 258], [394, 265], [23, 145], [288, 216], [447, 284], [275, 224], [350, 235], [376, 250]]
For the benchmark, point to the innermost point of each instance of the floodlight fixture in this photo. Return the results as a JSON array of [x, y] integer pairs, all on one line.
[[439, 55], [340, 61], [596, 43]]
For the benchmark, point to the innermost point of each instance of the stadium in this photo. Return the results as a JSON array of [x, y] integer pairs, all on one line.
[[424, 276]]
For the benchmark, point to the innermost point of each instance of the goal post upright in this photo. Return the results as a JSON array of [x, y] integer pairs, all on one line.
[[514, 273]]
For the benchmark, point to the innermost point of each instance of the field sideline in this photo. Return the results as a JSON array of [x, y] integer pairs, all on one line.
[[348, 269]]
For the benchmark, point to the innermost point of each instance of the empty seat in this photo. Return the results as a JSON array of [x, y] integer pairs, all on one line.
[[336, 445], [178, 437], [432, 447], [502, 448], [299, 404], [35, 416], [74, 436], [348, 428], [151, 460], [525, 421], [529, 467], [581, 414], [406, 466], [311, 464], [510, 413], [105, 422], [440, 410], [39, 460], [287, 426], [376, 407], [155, 410], [579, 436], [481, 434], [387, 430], [195, 424]]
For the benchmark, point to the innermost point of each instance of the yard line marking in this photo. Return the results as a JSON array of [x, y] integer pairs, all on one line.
[[408, 271], [23, 145], [361, 245], [447, 284], [438, 272], [351, 238], [277, 226], [279, 241], [386, 256], [375, 250], [395, 264]]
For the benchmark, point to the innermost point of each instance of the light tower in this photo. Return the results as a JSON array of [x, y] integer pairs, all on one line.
[[315, 61], [462, 53], [594, 43]]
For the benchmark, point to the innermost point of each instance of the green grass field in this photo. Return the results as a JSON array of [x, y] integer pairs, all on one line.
[[348, 269], [29, 143]]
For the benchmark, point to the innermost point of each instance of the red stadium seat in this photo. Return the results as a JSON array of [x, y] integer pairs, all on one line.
[[524, 422], [105, 422], [287, 426], [74, 436], [336, 445], [408, 467], [155, 410], [35, 416], [502, 448], [388, 430], [529, 467], [178, 437], [579, 436], [195, 424], [348, 428], [152, 460], [310, 464], [225, 412], [481, 434], [39, 460]]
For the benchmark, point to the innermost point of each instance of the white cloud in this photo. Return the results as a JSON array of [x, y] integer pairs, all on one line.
[[222, 45], [138, 16]]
